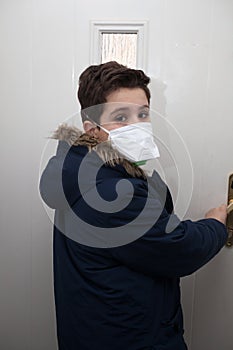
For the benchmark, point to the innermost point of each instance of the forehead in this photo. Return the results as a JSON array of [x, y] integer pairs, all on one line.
[[128, 95]]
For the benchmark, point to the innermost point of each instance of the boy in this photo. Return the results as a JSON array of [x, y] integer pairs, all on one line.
[[117, 266]]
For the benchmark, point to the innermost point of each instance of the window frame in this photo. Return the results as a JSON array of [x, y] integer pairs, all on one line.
[[134, 27]]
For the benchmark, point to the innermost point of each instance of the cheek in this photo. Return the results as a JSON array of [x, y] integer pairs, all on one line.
[[102, 136], [113, 125]]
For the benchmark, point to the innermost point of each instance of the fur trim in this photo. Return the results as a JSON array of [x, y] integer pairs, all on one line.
[[75, 137]]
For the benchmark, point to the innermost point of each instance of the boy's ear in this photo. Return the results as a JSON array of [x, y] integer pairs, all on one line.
[[92, 130], [88, 127]]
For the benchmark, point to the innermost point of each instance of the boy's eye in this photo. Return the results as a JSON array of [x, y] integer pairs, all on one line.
[[143, 115], [121, 118]]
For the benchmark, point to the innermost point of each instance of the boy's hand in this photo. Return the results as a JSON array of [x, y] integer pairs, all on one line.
[[219, 213]]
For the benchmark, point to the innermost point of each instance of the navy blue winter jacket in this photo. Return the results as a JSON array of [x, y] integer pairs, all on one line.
[[120, 297]]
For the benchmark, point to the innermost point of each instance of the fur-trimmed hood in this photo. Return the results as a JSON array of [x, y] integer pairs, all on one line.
[[76, 137]]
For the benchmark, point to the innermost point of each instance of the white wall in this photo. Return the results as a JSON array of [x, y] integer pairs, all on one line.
[[44, 47]]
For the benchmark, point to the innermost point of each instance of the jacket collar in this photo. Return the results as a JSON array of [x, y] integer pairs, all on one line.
[[75, 137]]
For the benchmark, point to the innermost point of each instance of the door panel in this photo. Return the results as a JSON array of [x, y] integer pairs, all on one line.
[[189, 60]]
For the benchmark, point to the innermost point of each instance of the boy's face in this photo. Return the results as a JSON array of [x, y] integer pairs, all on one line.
[[124, 106]]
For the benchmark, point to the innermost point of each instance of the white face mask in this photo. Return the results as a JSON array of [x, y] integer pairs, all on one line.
[[134, 141]]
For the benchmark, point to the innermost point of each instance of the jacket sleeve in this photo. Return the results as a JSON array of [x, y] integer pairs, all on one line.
[[180, 252], [50, 185]]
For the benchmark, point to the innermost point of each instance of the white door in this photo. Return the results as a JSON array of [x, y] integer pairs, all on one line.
[[45, 46]]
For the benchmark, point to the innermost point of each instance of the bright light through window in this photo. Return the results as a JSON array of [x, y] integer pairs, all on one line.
[[120, 47]]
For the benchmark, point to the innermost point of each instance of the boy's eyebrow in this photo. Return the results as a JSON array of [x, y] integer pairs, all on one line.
[[121, 109], [124, 109], [144, 106]]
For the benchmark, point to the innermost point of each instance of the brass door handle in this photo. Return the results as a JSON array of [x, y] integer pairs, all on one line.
[[230, 206]]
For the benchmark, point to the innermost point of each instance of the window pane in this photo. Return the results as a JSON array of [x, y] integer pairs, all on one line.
[[120, 47]]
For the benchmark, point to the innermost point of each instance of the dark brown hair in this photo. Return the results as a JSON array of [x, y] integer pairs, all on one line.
[[98, 81]]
